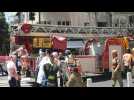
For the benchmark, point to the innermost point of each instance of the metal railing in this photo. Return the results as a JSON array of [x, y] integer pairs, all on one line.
[[73, 29]]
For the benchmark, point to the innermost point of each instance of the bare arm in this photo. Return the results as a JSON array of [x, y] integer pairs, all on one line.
[[26, 52], [70, 81], [118, 66], [130, 62]]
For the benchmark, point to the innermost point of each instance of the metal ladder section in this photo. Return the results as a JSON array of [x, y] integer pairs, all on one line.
[[71, 29]]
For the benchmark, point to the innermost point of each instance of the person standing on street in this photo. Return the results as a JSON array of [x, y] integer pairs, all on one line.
[[75, 79], [116, 69], [51, 71], [38, 60], [12, 71], [18, 67], [46, 59], [23, 53], [127, 60], [68, 55], [63, 67]]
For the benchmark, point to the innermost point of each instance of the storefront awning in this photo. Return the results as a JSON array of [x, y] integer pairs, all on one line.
[[75, 44]]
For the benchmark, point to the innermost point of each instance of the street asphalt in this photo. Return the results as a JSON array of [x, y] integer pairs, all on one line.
[[27, 82]]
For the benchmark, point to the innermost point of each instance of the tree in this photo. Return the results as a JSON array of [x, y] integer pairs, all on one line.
[[4, 36]]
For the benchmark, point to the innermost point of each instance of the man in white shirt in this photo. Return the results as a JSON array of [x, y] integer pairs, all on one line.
[[45, 59], [12, 71], [38, 60]]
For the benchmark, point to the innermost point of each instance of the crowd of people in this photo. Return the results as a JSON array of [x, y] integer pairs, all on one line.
[[53, 69], [62, 69], [128, 63]]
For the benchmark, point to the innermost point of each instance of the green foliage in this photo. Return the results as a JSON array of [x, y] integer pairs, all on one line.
[[4, 36]]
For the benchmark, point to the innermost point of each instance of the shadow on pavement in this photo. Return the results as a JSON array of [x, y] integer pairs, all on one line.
[[103, 77], [99, 78], [32, 84]]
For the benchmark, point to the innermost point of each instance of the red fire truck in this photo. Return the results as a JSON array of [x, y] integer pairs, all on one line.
[[101, 61]]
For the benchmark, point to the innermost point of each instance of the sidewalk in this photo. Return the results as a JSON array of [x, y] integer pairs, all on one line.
[[27, 81], [108, 83]]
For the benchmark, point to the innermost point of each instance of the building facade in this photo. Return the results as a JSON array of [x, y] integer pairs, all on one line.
[[98, 19]]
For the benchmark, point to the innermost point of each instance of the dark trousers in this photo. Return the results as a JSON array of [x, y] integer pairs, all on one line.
[[1, 70], [28, 73], [61, 81], [38, 85], [36, 74], [18, 83], [13, 82]]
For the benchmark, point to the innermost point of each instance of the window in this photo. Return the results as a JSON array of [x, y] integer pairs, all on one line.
[[67, 23], [63, 23], [86, 24], [45, 22], [49, 22], [102, 24], [116, 25], [131, 20], [59, 23], [42, 22]]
